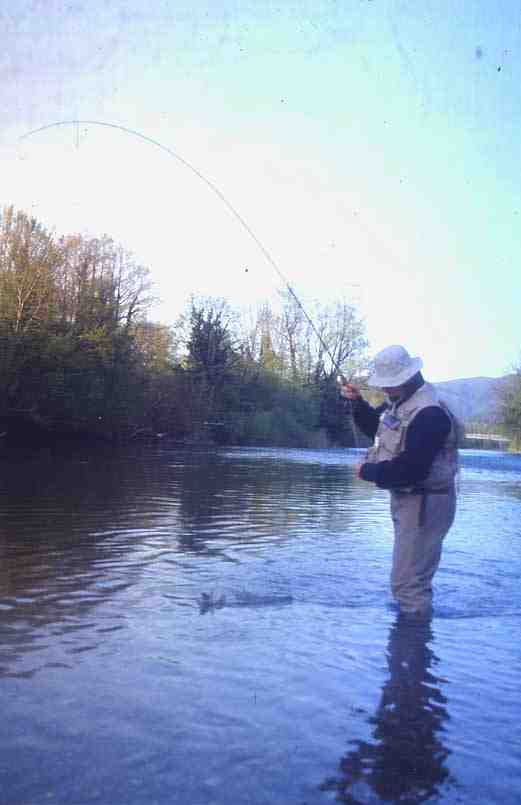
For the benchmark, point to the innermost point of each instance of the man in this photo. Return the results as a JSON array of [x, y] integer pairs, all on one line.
[[415, 456]]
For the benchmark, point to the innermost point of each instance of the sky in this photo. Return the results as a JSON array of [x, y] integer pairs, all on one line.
[[371, 149]]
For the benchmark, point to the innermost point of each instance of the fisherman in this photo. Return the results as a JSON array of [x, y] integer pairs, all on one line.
[[415, 456]]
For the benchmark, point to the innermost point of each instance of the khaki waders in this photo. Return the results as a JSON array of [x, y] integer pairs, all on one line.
[[420, 521]]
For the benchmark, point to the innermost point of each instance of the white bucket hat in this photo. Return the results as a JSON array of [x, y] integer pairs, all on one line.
[[393, 366]]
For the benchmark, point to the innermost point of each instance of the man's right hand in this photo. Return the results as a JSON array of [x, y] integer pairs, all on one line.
[[350, 392]]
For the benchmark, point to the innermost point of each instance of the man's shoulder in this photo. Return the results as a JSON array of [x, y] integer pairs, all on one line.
[[433, 417]]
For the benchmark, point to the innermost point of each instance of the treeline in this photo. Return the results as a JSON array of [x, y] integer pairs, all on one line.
[[511, 408], [78, 355]]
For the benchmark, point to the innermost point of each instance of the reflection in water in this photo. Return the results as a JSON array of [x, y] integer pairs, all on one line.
[[81, 528], [257, 497], [405, 761]]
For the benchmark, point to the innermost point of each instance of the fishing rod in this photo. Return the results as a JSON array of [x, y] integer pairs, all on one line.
[[218, 193], [341, 379]]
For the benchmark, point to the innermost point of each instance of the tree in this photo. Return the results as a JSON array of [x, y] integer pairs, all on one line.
[[101, 285], [210, 354], [321, 342], [511, 406], [155, 346], [29, 259], [69, 309]]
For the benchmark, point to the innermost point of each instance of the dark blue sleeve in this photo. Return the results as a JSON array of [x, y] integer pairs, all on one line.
[[425, 437]]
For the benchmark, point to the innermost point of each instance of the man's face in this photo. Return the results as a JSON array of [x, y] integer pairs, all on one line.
[[393, 393]]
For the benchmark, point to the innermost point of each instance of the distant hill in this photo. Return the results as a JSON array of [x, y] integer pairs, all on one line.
[[473, 399]]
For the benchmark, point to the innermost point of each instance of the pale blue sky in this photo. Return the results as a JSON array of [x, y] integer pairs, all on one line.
[[372, 146]]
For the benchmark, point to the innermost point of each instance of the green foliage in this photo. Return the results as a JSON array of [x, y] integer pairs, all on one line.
[[77, 352], [511, 409], [515, 444], [511, 403], [66, 311]]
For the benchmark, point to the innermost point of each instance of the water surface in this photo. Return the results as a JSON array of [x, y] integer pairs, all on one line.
[[300, 686]]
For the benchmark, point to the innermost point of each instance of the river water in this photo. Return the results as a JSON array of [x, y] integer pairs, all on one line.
[[207, 627]]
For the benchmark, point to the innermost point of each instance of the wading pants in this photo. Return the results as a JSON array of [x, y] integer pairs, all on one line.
[[420, 524]]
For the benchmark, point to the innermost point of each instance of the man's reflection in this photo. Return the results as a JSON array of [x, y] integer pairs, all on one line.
[[405, 761]]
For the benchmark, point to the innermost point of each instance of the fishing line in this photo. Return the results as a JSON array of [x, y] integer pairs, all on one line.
[[222, 198]]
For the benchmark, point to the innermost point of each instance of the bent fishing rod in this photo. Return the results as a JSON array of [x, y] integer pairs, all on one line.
[[219, 195], [132, 132]]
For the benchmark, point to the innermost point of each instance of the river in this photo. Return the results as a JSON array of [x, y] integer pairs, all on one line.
[[213, 626]]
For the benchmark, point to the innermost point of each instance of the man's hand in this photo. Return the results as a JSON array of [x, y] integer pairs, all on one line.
[[349, 391]]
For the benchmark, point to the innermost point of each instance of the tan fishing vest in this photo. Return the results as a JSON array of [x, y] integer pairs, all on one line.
[[392, 430]]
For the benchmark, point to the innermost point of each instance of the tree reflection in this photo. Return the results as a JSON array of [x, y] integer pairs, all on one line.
[[222, 497], [405, 761]]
